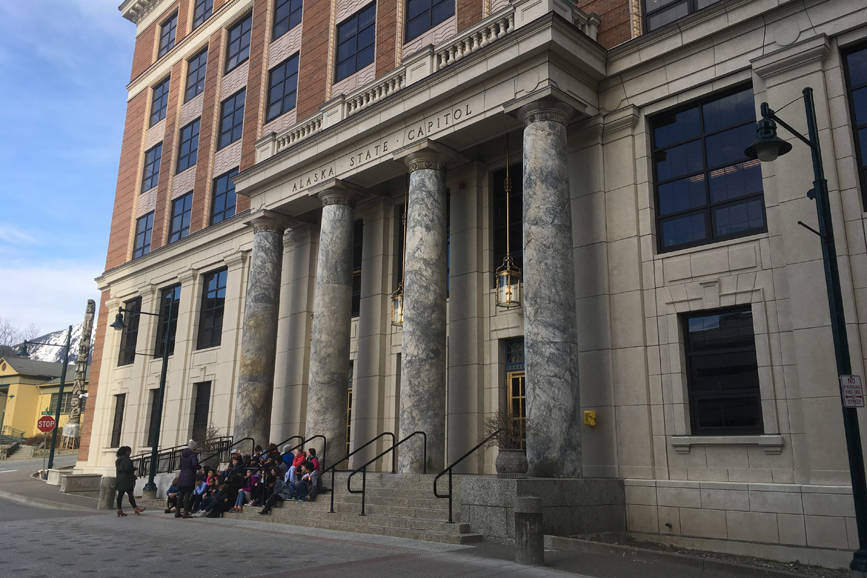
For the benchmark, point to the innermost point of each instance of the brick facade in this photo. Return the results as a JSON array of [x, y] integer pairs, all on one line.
[[614, 27]]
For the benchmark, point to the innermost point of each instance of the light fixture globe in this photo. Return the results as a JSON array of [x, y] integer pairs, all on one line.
[[767, 146], [508, 284], [118, 321], [397, 306]]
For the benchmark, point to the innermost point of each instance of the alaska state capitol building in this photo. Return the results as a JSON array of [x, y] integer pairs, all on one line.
[[323, 192]]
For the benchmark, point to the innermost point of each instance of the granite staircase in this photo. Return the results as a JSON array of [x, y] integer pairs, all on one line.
[[400, 505]]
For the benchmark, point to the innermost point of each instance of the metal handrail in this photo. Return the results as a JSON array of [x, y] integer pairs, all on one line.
[[451, 467], [222, 451], [333, 467], [280, 445], [363, 468], [311, 438], [144, 457]]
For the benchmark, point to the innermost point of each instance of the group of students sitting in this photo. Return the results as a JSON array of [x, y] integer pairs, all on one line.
[[261, 480]]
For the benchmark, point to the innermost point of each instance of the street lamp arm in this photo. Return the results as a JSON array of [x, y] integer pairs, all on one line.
[[768, 112], [28, 342], [122, 310]]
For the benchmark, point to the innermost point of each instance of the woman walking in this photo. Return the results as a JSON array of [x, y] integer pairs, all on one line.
[[125, 480]]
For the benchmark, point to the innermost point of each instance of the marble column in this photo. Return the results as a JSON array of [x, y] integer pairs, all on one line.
[[332, 317], [423, 359], [259, 331], [550, 335]]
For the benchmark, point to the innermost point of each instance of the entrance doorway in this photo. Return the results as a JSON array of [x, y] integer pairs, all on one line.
[[516, 397]]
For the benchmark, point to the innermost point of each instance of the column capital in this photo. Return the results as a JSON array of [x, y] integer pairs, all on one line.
[[547, 104], [336, 192], [425, 154], [267, 221]]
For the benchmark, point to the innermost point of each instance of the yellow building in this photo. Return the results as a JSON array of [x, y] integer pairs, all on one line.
[[28, 390]]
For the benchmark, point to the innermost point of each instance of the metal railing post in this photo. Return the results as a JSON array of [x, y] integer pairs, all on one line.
[[363, 488], [450, 497]]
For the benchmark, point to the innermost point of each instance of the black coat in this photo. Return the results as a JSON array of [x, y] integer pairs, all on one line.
[[189, 465], [125, 474]]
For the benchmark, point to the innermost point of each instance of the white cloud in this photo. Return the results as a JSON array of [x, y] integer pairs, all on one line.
[[50, 295], [12, 235]]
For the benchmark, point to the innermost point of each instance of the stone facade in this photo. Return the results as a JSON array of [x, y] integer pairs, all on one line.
[[603, 308]]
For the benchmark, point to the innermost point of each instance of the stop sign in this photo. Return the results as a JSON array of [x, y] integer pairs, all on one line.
[[45, 423]]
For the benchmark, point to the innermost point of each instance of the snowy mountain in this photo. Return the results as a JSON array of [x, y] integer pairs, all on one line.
[[55, 354]]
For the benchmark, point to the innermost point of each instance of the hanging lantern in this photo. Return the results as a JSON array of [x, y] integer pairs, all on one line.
[[397, 306], [397, 295], [508, 274]]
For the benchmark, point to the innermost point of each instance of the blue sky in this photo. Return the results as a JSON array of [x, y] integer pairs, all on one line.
[[64, 65]]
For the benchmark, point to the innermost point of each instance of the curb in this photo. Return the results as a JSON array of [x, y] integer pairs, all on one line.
[[42, 503], [701, 563]]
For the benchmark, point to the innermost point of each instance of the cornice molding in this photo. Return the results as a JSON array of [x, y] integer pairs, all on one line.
[[797, 55], [136, 10]]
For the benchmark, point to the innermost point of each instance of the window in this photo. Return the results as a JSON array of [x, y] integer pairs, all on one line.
[[287, 15], [722, 373], [168, 31], [231, 119], [238, 46], [202, 11], [515, 224], [422, 15], [152, 414], [856, 83], [196, 67], [658, 13], [355, 40], [516, 394], [129, 334], [151, 173], [201, 404], [282, 88], [706, 189], [223, 202], [213, 302], [170, 299], [189, 149], [117, 424], [64, 407], [144, 227], [159, 101], [179, 226], [357, 252]]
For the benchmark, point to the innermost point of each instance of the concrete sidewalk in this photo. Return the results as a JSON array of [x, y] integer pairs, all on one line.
[[578, 557]]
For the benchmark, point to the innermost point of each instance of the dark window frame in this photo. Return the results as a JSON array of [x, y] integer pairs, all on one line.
[[238, 42], [166, 323], [179, 222], [352, 22], [160, 100], [692, 6], [234, 131], [227, 211], [168, 34], [212, 309], [709, 206], [188, 145], [65, 406], [284, 22], [289, 69], [431, 22], [144, 229], [197, 66], [150, 177], [751, 393], [201, 409], [860, 159], [117, 421], [153, 394], [129, 334], [202, 10]]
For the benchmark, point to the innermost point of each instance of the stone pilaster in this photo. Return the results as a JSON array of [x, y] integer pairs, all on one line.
[[259, 331], [550, 336], [423, 361], [329, 343]]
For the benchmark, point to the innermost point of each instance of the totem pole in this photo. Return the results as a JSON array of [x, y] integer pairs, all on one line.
[[71, 429]]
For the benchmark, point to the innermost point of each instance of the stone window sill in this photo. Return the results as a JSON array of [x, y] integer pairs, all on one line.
[[771, 444]]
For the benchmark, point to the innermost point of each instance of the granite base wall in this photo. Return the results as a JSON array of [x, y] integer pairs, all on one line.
[[569, 506]]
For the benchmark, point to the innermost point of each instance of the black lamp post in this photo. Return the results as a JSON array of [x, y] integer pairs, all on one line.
[[767, 147], [157, 415], [23, 352]]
